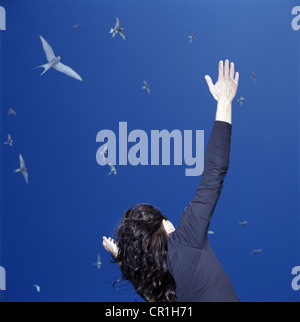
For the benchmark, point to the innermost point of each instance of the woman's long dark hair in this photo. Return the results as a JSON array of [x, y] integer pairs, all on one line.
[[143, 248]]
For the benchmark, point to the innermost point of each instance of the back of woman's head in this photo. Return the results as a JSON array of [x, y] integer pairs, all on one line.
[[143, 249]]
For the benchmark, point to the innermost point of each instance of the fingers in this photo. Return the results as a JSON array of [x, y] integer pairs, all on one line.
[[237, 78], [104, 243], [108, 240], [209, 82], [108, 243], [232, 71], [226, 69], [110, 246], [221, 70], [211, 87]]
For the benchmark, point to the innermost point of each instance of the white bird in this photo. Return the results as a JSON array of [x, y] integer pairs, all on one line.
[[253, 76], [113, 170], [54, 62], [147, 87], [256, 251], [99, 263], [117, 30], [22, 169], [241, 100], [192, 38], [9, 140], [38, 288], [244, 223], [11, 112], [210, 232]]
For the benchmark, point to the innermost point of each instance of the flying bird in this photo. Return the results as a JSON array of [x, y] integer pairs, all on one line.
[[11, 112], [117, 30], [210, 232], [256, 251], [75, 27], [22, 169], [192, 38], [244, 223], [38, 288], [253, 76], [98, 264], [147, 87], [9, 140], [241, 100], [54, 62], [113, 170]]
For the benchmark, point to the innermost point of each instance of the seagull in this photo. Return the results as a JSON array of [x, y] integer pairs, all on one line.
[[241, 100], [98, 264], [54, 62], [9, 140], [113, 170], [253, 76], [192, 38], [147, 87], [38, 288], [11, 112], [244, 223], [22, 169], [256, 251], [75, 27], [117, 30]]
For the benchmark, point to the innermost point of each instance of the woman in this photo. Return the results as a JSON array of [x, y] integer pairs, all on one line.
[[165, 264]]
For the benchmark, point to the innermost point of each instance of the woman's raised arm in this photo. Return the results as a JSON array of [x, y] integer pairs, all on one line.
[[194, 224]]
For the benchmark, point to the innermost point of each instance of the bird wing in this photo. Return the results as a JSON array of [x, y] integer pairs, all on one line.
[[48, 50], [118, 24], [122, 35], [22, 163], [25, 174], [38, 289], [67, 70], [11, 111]]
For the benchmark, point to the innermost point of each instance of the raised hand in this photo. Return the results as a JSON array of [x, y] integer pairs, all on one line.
[[110, 246], [226, 87]]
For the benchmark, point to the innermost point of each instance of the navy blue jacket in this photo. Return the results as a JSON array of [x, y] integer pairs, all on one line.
[[198, 274]]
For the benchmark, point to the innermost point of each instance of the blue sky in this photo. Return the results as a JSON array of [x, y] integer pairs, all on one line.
[[51, 229]]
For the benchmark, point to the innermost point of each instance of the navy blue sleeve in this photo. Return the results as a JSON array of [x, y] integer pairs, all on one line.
[[194, 224]]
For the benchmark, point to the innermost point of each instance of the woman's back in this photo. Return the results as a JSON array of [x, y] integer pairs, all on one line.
[[198, 274]]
